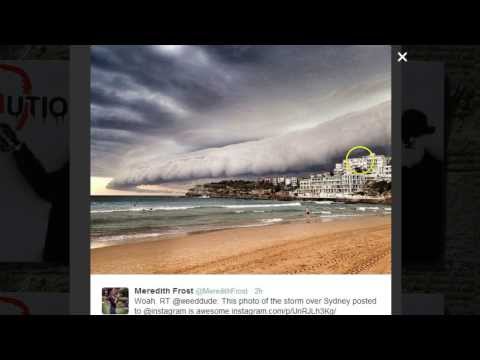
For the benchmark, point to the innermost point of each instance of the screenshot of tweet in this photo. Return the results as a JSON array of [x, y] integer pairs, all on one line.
[[241, 180]]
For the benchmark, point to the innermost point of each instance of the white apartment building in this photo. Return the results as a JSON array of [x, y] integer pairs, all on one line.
[[294, 181], [362, 164], [345, 181], [278, 180], [324, 186], [338, 169], [287, 181]]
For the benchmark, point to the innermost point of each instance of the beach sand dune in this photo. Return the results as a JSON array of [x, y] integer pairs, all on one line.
[[360, 245]]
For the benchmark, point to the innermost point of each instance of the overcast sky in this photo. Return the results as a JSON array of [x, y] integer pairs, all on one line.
[[172, 112]]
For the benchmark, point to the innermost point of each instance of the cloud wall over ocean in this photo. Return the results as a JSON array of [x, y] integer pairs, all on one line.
[[292, 152], [171, 113]]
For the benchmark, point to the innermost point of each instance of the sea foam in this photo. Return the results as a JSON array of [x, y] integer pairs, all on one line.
[[158, 208], [260, 205], [269, 221]]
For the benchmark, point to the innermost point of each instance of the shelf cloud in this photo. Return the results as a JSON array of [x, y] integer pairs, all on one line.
[[169, 113], [293, 152]]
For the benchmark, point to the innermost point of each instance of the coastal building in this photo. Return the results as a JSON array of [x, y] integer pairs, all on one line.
[[280, 180], [346, 180], [294, 181], [338, 169], [330, 185], [381, 168], [291, 181]]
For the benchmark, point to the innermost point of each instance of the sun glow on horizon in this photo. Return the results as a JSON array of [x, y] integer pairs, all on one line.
[[98, 187]]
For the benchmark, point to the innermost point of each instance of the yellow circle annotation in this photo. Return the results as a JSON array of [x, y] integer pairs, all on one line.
[[372, 163]]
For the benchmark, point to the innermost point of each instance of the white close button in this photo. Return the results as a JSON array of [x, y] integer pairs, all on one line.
[[402, 56]]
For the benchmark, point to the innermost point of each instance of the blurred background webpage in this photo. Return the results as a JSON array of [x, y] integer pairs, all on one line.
[[34, 156]]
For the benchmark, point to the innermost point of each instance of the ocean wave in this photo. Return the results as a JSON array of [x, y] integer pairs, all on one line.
[[106, 211], [338, 215], [324, 202], [269, 221], [259, 205], [328, 213], [365, 208], [158, 208], [122, 238], [188, 207]]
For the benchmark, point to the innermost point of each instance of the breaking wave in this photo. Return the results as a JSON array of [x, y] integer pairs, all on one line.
[[260, 205], [269, 221]]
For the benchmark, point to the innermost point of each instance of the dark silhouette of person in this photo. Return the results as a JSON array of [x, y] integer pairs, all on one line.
[[52, 187], [422, 193]]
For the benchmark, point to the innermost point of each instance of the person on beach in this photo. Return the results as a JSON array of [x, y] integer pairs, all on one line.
[[113, 300], [307, 213], [52, 187]]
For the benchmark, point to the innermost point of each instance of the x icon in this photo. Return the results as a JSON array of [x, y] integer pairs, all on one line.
[[402, 57]]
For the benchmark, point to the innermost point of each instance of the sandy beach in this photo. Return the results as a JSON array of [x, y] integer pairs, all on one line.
[[360, 245]]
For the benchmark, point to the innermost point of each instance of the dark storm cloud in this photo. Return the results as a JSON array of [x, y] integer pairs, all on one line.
[[240, 54], [150, 100], [188, 80]]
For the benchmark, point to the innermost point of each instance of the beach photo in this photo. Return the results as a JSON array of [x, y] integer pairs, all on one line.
[[238, 159]]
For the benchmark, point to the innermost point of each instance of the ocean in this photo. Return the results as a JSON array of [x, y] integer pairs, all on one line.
[[120, 219]]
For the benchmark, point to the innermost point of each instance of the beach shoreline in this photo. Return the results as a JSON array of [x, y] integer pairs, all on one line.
[[135, 238], [338, 246]]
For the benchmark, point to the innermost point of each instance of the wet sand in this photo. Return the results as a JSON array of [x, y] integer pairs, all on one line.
[[360, 245]]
